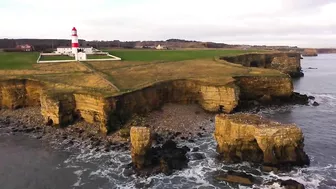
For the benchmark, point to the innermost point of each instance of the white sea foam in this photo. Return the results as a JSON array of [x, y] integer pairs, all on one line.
[[112, 166], [79, 174]]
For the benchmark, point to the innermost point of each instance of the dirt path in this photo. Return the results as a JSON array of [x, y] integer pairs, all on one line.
[[100, 74]]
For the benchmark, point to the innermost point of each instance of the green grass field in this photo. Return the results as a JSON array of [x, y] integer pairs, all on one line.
[[98, 56], [56, 57], [17, 60], [172, 55]]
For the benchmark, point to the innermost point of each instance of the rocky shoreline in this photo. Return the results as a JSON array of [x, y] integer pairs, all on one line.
[[172, 122], [30, 121]]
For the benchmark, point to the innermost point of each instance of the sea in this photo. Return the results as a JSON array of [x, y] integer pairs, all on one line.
[[28, 163]]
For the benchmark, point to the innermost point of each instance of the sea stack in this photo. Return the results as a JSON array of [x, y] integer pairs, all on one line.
[[246, 137], [141, 142]]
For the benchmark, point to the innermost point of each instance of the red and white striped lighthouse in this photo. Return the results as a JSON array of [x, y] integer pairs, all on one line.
[[74, 40]]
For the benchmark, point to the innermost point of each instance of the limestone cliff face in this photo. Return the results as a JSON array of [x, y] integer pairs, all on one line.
[[210, 97], [63, 108], [289, 63], [58, 109], [19, 93], [244, 137], [252, 88], [92, 109]]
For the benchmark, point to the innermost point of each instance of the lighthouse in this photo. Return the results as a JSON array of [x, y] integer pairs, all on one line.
[[74, 41]]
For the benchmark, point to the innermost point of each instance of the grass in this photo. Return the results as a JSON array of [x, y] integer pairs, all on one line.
[[128, 76], [172, 55], [56, 57], [139, 68], [98, 56], [17, 60]]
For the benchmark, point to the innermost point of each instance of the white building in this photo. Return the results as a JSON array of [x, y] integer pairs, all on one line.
[[80, 56], [68, 50], [159, 47]]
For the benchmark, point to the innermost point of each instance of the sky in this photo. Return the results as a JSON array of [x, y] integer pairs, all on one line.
[[303, 23]]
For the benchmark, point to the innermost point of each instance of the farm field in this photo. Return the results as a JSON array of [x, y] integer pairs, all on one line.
[[17, 60]]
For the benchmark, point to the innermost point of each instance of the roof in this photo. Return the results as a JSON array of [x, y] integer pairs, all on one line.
[[74, 29]]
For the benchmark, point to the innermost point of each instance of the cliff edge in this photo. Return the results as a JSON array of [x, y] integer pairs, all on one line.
[[289, 63], [246, 137]]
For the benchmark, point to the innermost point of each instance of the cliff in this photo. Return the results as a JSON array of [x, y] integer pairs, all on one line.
[[244, 137], [19, 93], [309, 52], [254, 88], [63, 108], [289, 63]]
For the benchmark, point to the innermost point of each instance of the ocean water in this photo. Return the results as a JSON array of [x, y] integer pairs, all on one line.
[[33, 164]]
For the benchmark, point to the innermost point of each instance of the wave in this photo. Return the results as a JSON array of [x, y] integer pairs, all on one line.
[[113, 168]]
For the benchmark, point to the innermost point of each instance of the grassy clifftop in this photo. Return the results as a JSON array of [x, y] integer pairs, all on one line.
[[139, 68]]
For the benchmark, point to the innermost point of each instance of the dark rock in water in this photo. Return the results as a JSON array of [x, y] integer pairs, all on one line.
[[149, 160], [311, 98], [298, 98], [316, 104], [291, 184], [288, 184], [186, 148], [196, 149], [311, 68], [14, 130], [266, 168], [71, 142], [38, 137], [197, 156], [237, 177], [177, 134], [191, 140]]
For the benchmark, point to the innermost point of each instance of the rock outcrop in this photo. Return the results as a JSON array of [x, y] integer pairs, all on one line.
[[309, 52], [147, 160], [58, 109], [245, 137], [61, 108], [141, 142], [289, 63], [254, 88], [19, 93]]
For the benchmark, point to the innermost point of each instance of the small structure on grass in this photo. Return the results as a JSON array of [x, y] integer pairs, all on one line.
[[75, 53]]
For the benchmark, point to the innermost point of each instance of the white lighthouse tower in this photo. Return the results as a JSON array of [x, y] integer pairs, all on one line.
[[74, 40]]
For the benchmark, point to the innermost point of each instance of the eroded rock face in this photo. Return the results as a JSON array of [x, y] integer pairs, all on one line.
[[58, 109], [141, 142], [112, 112], [289, 63], [257, 87], [19, 93], [246, 137], [310, 52], [148, 160]]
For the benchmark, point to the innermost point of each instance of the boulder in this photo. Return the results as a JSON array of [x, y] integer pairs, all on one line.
[[236, 177], [247, 137], [287, 184]]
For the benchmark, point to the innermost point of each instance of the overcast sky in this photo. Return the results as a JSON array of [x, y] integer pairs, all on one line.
[[305, 23]]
